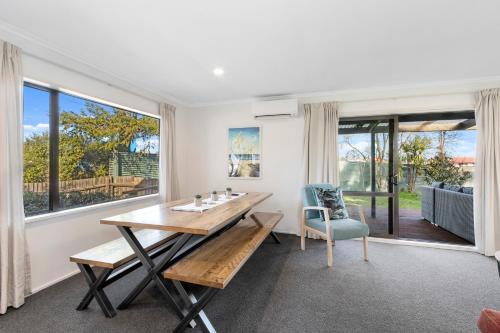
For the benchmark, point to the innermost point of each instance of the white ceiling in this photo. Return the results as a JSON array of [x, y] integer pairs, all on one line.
[[268, 47]]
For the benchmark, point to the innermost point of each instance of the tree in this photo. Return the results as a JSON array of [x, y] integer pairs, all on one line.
[[36, 158], [440, 168], [90, 138], [444, 139], [413, 155]]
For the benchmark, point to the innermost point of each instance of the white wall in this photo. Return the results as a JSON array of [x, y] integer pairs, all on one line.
[[204, 145], [51, 241], [204, 157], [61, 78]]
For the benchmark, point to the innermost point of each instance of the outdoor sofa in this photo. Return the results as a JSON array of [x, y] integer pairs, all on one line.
[[450, 207]]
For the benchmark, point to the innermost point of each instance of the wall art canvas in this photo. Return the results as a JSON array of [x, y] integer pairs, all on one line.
[[244, 156]]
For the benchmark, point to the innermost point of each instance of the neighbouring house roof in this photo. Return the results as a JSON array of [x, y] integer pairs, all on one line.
[[461, 160]]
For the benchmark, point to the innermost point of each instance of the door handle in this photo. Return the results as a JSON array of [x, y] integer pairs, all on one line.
[[393, 180]]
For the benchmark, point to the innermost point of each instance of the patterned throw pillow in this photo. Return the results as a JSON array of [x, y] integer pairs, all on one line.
[[333, 200]]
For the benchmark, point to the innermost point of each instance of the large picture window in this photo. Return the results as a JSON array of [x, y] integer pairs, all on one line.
[[79, 152]]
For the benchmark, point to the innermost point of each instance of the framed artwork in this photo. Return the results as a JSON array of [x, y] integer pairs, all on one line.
[[244, 153]]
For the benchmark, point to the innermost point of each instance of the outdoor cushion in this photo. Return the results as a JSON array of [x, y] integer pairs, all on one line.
[[340, 229], [468, 190], [333, 200], [437, 184], [454, 188]]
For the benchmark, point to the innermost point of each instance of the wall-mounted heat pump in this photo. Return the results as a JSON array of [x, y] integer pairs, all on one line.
[[275, 108]]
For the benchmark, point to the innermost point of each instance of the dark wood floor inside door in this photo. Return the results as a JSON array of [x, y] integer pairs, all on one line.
[[411, 226]]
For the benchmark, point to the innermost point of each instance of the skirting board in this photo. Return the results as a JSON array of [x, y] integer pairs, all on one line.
[[51, 283], [467, 248], [406, 242]]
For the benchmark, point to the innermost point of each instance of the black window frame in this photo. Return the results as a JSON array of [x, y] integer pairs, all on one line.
[[54, 112]]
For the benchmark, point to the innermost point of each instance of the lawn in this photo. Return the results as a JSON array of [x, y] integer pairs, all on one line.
[[406, 200]]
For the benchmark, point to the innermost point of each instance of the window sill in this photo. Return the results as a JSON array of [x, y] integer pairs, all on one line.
[[92, 208]]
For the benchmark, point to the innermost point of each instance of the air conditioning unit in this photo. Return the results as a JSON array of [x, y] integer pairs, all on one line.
[[275, 108]]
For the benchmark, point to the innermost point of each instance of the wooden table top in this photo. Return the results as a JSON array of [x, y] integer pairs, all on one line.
[[162, 217]]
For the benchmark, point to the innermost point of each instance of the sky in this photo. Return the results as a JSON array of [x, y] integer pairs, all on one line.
[[36, 114]]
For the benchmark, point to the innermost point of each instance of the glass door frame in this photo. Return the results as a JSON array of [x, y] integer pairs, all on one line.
[[393, 188], [392, 193]]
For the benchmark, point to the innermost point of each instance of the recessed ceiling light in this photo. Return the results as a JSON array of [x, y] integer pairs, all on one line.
[[218, 71]]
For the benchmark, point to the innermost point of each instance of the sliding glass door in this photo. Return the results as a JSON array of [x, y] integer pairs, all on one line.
[[367, 170], [412, 174]]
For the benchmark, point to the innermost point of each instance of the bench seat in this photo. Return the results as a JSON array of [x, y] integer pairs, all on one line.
[[216, 262], [118, 252]]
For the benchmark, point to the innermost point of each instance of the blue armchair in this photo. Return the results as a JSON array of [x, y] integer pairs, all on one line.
[[331, 230]]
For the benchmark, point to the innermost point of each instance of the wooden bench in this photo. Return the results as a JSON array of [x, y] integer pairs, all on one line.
[[215, 263], [112, 257]]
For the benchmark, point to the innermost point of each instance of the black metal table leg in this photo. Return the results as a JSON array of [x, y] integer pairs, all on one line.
[[95, 290], [189, 299], [275, 237], [168, 260], [154, 270], [196, 308]]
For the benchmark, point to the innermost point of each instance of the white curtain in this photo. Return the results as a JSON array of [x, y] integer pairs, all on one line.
[[13, 258], [487, 173], [320, 153], [169, 182]]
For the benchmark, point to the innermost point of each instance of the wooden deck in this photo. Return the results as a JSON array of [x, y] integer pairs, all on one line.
[[411, 226]]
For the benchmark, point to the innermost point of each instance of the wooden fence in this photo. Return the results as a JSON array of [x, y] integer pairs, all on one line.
[[114, 186]]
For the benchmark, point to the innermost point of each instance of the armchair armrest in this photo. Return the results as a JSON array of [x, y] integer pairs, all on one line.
[[324, 209], [360, 211]]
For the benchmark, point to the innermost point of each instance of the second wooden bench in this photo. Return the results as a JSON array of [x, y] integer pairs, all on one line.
[[214, 264]]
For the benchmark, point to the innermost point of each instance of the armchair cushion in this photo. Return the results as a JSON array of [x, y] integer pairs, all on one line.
[[340, 229], [333, 200]]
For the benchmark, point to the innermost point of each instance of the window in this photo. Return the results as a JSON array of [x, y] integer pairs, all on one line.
[[78, 152], [36, 150]]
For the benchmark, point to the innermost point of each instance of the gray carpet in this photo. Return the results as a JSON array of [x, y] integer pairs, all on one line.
[[282, 289]]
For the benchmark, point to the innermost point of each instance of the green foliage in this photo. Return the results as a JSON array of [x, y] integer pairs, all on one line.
[[413, 155], [36, 158], [440, 168], [38, 202], [76, 199], [35, 203], [87, 141]]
